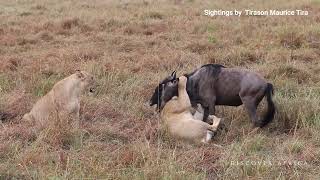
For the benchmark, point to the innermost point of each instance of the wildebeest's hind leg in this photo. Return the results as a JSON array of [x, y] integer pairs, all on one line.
[[250, 104]]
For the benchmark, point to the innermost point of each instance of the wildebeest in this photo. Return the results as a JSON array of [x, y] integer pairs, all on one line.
[[214, 84]]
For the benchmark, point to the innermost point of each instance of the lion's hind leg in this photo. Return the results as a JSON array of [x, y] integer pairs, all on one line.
[[198, 114], [29, 119], [215, 124]]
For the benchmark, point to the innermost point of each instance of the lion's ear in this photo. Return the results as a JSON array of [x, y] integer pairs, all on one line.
[[79, 74]]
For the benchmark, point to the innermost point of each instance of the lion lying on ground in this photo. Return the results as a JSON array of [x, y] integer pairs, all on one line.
[[63, 101], [179, 120]]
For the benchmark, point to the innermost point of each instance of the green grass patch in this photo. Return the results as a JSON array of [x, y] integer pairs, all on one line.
[[6, 84], [255, 144], [44, 84], [212, 39], [296, 147]]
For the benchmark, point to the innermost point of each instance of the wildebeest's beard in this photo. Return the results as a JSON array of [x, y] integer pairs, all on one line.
[[155, 99], [167, 89]]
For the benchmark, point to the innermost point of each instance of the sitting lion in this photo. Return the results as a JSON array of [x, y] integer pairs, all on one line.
[[63, 101], [176, 114]]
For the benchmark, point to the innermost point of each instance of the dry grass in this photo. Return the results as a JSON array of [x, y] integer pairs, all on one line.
[[129, 46]]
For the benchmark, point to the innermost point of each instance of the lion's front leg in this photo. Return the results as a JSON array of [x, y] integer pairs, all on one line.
[[76, 114], [70, 114], [183, 98]]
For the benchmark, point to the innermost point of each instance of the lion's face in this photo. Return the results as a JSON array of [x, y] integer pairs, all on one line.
[[87, 82]]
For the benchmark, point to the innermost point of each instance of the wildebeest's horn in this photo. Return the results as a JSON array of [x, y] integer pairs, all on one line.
[[173, 74]]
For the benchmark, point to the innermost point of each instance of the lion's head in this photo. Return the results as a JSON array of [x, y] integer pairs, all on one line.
[[87, 82]]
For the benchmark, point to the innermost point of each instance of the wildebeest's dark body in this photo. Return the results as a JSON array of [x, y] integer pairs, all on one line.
[[214, 84]]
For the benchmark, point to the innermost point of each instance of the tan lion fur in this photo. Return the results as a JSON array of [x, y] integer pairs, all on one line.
[[179, 120], [63, 101]]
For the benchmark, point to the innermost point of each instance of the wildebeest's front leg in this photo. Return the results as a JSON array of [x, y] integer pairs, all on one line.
[[209, 108], [208, 100], [205, 114]]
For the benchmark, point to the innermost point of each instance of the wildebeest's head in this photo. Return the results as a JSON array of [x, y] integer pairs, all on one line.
[[165, 91]]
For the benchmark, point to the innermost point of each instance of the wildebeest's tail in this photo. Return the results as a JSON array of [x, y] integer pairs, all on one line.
[[271, 107], [5, 117]]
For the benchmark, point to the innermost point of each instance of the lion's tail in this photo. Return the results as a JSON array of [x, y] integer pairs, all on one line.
[[28, 117]]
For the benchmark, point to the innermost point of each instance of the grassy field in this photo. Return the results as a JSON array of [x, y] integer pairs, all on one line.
[[129, 46]]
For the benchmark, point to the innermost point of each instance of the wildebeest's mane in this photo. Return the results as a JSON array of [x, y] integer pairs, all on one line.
[[214, 68], [193, 85], [213, 65]]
